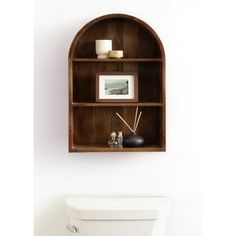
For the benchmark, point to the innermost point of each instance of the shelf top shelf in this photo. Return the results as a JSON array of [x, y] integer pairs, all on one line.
[[116, 104], [116, 60]]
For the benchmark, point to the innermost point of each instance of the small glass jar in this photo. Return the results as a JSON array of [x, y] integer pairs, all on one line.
[[120, 139], [113, 142]]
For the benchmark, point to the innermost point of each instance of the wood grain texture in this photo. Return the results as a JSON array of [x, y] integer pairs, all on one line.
[[91, 123]]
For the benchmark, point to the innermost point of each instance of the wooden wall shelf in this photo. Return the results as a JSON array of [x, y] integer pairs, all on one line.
[[91, 123]]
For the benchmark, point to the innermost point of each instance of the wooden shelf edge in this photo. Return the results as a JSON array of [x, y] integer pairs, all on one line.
[[90, 148], [116, 60], [115, 104]]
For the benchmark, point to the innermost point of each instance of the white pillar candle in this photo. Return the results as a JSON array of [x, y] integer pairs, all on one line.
[[103, 46]]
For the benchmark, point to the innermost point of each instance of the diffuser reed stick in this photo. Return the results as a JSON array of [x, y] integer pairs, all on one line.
[[124, 122], [136, 126], [135, 118]]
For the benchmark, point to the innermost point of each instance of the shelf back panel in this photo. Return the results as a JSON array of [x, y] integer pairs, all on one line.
[[126, 35], [149, 79], [93, 125]]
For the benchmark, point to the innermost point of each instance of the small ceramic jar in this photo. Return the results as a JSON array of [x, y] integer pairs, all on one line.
[[116, 54]]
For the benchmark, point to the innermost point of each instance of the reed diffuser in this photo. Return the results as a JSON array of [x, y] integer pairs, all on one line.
[[133, 140]]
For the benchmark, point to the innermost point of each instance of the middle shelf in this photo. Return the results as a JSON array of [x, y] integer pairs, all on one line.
[[150, 85], [115, 104], [117, 60]]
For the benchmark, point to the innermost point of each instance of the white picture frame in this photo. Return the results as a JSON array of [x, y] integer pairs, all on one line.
[[116, 87]]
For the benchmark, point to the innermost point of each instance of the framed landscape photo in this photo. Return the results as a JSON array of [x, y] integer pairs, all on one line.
[[117, 87]]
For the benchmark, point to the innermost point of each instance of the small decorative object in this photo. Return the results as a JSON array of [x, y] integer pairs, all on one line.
[[120, 139], [133, 140], [116, 54], [103, 46], [116, 87], [113, 142]]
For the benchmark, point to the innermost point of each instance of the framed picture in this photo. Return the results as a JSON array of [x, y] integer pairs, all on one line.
[[117, 87]]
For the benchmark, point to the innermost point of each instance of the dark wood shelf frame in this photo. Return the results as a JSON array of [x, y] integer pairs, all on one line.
[[105, 148], [91, 123], [117, 60], [110, 104]]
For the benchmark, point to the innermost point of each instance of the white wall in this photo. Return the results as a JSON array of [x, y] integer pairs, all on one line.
[[59, 174]]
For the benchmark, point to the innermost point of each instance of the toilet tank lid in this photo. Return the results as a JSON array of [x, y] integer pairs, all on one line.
[[110, 208]]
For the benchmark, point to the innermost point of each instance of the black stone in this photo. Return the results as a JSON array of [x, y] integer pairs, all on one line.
[[133, 140]]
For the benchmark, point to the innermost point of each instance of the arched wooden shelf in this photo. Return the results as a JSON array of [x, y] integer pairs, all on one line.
[[90, 123]]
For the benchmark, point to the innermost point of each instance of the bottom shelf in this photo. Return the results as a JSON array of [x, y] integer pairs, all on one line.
[[105, 148]]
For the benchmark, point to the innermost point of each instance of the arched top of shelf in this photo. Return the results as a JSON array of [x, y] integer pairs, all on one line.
[[128, 33]]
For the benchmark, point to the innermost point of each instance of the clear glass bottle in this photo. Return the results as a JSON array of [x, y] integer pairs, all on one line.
[[113, 142], [120, 139]]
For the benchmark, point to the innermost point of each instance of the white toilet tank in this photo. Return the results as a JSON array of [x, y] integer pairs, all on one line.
[[118, 216]]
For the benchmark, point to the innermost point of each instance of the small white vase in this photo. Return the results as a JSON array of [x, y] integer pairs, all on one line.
[[103, 46]]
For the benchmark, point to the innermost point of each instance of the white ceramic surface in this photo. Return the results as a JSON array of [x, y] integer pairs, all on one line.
[[116, 216], [103, 46]]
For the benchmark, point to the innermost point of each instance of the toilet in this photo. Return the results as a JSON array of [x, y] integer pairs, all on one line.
[[117, 216]]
